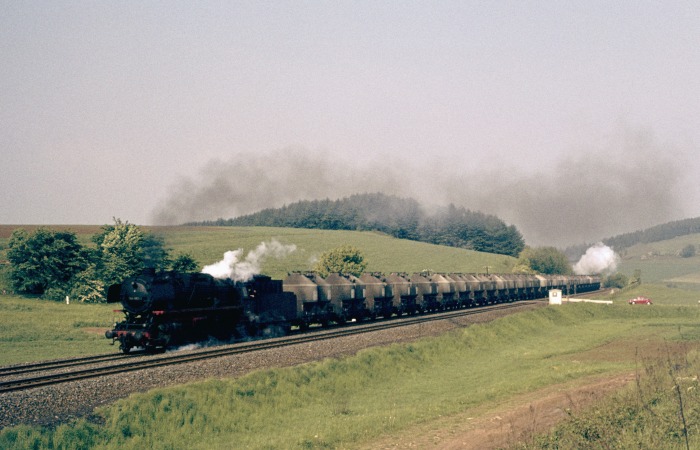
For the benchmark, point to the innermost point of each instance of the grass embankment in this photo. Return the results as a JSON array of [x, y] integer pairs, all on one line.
[[661, 410], [34, 330], [379, 392]]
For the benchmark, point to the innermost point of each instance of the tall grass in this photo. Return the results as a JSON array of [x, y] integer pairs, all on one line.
[[352, 401], [660, 411]]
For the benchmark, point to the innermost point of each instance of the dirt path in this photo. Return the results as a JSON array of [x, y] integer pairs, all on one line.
[[516, 420]]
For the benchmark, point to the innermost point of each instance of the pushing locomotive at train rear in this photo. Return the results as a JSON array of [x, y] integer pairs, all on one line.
[[163, 309]]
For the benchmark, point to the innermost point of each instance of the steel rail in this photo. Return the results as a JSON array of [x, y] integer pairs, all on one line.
[[322, 334], [62, 363]]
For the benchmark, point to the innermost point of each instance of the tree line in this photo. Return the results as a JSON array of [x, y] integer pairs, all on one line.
[[55, 265], [656, 233], [398, 217]]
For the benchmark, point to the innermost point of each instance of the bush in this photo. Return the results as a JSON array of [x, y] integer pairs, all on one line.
[[688, 251], [344, 259], [545, 260], [616, 280]]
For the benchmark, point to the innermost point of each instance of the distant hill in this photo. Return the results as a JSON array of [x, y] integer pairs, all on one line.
[[656, 233], [398, 217]]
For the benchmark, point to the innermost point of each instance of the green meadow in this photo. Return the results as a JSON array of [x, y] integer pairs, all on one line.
[[382, 253], [659, 263], [34, 329], [384, 394], [380, 392]]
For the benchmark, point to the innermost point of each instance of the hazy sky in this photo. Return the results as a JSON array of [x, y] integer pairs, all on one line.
[[573, 121]]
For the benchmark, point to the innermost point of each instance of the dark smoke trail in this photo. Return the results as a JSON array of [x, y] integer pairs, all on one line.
[[592, 195]]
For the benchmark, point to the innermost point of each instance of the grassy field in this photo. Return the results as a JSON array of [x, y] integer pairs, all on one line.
[[72, 330], [34, 330], [659, 262], [383, 253], [384, 392], [351, 402]]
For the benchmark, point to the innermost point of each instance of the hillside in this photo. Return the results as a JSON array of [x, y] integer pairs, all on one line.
[[660, 262], [399, 217], [382, 252], [658, 233]]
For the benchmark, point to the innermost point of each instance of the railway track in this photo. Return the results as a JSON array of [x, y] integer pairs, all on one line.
[[103, 365], [44, 366]]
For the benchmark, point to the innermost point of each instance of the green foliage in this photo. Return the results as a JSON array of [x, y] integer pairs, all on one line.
[[5, 280], [345, 259], [615, 280], [688, 251], [45, 260], [119, 251], [184, 262], [459, 227], [153, 252], [398, 217], [544, 260], [55, 264], [88, 287]]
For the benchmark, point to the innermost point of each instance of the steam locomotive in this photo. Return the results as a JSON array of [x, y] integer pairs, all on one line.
[[163, 309]]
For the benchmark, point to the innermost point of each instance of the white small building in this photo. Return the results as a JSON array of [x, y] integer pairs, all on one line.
[[555, 297]]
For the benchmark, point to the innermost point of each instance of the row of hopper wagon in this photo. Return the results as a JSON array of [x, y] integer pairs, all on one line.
[[341, 298]]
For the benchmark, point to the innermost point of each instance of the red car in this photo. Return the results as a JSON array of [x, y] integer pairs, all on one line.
[[639, 301]]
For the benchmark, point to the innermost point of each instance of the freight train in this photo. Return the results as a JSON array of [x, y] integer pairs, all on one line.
[[164, 309]]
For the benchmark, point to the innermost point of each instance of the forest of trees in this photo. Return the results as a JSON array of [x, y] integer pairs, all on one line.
[[399, 217]]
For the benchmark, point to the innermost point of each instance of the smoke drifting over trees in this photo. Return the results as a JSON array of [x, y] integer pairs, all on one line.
[[236, 267], [598, 192]]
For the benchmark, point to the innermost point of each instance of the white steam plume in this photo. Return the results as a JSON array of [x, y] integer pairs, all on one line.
[[598, 259], [237, 269]]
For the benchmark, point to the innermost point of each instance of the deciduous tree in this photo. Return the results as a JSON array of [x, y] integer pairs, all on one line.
[[344, 259], [184, 262], [544, 260], [45, 260], [120, 251]]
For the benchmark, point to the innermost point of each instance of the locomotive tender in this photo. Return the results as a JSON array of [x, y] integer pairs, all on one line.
[[163, 309]]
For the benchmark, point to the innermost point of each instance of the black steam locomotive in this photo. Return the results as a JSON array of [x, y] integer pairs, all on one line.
[[169, 308]]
